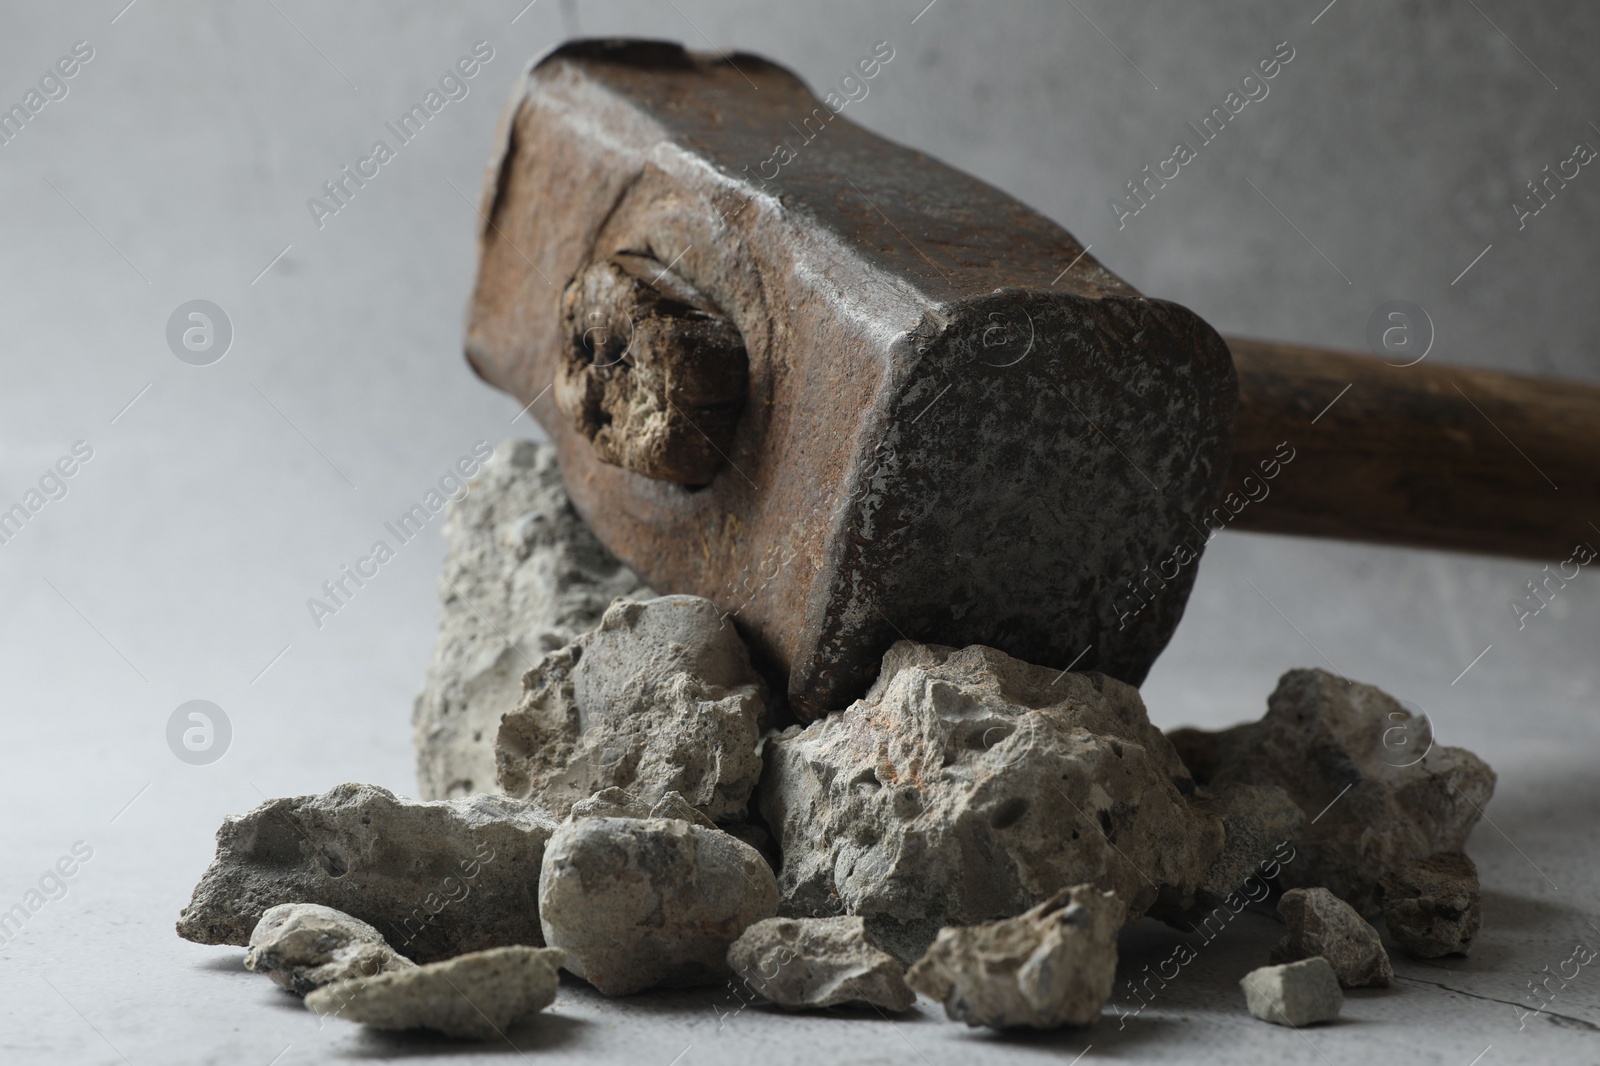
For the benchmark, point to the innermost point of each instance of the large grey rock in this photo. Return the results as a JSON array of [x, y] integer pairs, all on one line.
[[642, 902], [1353, 759], [473, 996], [303, 946], [1050, 966], [1433, 906], [968, 786], [807, 963], [437, 879], [523, 577], [1321, 923], [1294, 994], [659, 698]]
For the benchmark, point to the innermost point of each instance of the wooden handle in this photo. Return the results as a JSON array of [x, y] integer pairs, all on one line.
[[1428, 455]]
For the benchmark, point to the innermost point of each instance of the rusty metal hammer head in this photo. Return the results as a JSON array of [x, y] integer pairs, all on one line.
[[843, 390]]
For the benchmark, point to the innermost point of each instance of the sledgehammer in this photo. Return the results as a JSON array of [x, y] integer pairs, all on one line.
[[872, 397]]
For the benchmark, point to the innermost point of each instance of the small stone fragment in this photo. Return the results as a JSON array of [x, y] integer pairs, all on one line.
[[523, 576], [642, 902], [1051, 966], [801, 963], [1433, 906], [1294, 994], [473, 996], [661, 697], [1375, 790], [303, 946], [969, 786], [1321, 923], [437, 879]]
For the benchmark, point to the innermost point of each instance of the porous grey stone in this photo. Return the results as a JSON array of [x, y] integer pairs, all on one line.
[[1294, 994], [1260, 828], [1375, 790], [473, 996], [801, 963], [437, 879], [968, 786], [615, 803], [1050, 966], [1321, 923], [660, 697], [642, 902], [522, 577], [1256, 823], [1433, 906], [303, 946]]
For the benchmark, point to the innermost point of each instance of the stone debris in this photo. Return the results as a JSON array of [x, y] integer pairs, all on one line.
[[801, 963], [1321, 923], [303, 946], [933, 820], [660, 697], [1432, 906], [1375, 790], [437, 879], [1294, 994], [473, 996], [1053, 965], [645, 902], [523, 576], [968, 786]]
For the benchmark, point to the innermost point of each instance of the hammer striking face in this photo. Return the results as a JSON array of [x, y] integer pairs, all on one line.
[[870, 397]]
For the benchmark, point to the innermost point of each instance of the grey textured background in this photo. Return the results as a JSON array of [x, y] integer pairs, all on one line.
[[178, 565]]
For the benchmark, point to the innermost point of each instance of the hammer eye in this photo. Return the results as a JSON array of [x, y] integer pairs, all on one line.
[[654, 375], [607, 340]]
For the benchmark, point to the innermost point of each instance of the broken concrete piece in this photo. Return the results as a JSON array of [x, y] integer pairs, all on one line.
[[1050, 966], [641, 902], [615, 803], [1295, 994], [303, 946], [407, 868], [1260, 826], [801, 963], [473, 996], [1375, 790], [523, 577], [659, 697], [1321, 923], [1433, 906], [969, 786]]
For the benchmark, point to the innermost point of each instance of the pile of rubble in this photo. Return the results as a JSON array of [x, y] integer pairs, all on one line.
[[613, 792]]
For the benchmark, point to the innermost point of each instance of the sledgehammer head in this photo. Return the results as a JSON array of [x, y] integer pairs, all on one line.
[[845, 391]]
